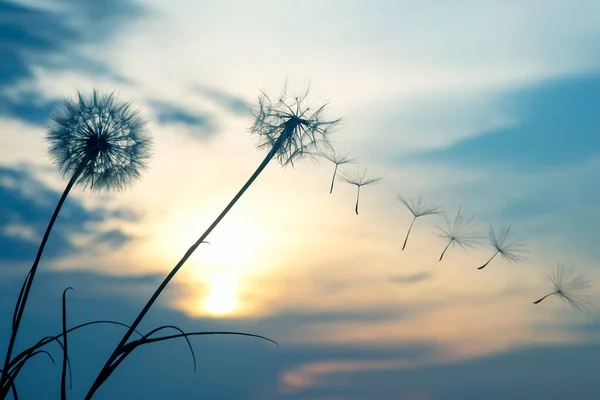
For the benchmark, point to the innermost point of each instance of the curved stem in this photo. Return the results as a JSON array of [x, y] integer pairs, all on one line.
[[548, 295], [408, 233], [490, 260], [333, 179], [357, 199], [106, 369], [26, 288], [444, 252]]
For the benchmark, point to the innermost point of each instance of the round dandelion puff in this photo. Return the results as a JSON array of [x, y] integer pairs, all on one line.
[[292, 127], [568, 287], [100, 139]]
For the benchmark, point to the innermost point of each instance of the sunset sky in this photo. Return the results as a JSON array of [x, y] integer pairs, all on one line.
[[487, 106]]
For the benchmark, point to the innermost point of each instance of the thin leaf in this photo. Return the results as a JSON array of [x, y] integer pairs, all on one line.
[[128, 348], [180, 331], [63, 376], [44, 341]]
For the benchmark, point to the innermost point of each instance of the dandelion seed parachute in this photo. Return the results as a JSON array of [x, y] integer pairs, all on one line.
[[504, 244], [337, 159], [568, 287], [459, 232], [418, 210], [359, 180]]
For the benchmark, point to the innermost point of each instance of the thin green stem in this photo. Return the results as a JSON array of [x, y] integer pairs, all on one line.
[[26, 288], [107, 369]]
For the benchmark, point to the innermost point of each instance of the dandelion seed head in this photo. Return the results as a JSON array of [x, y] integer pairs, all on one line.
[[507, 245], [459, 231], [303, 129], [104, 138], [567, 286], [417, 208]]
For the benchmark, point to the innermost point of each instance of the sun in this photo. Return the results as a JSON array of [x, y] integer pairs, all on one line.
[[222, 297]]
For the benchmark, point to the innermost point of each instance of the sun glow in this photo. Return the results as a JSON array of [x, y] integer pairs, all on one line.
[[215, 274], [235, 244], [222, 297]]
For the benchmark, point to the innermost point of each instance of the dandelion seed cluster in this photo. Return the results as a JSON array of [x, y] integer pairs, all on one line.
[[100, 138], [291, 127]]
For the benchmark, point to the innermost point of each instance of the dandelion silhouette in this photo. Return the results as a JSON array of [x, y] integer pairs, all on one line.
[[338, 159], [289, 130], [96, 141], [417, 209], [458, 232], [357, 179], [508, 247], [566, 286]]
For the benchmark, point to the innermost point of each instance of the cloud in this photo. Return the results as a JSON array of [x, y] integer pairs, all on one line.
[[555, 124], [530, 373], [48, 36], [168, 113], [233, 104], [27, 205], [411, 278]]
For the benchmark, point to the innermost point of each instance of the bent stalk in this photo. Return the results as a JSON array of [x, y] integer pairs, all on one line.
[[110, 366]]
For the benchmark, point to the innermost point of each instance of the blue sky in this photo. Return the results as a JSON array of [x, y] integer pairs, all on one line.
[[488, 106]]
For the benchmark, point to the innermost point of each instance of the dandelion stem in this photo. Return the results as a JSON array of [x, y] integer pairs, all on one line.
[[490, 260], [548, 295], [112, 362], [444, 252], [408, 233], [26, 288], [357, 199], [333, 178]]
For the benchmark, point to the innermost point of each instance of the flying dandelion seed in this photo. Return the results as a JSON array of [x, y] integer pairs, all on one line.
[[337, 159], [96, 141], [566, 286], [357, 179], [289, 130], [509, 248], [458, 232], [417, 209]]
